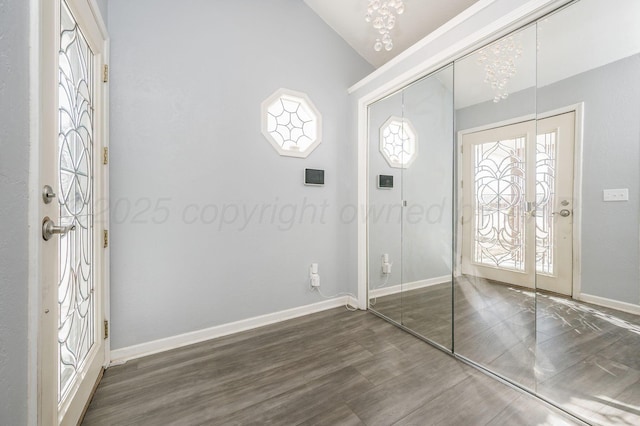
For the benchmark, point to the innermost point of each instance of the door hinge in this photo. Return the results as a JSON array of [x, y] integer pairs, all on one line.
[[105, 73], [105, 155], [105, 238], [461, 149], [106, 329], [461, 184]]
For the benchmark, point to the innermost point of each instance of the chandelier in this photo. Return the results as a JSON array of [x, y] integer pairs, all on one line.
[[499, 62], [382, 15]]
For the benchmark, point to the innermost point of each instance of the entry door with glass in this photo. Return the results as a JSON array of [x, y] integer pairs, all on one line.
[[517, 187], [73, 178]]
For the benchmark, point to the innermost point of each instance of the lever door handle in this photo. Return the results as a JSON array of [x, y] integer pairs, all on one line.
[[49, 229]]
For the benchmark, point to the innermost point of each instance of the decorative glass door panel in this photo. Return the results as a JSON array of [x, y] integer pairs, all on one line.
[[499, 204], [76, 330], [496, 213], [545, 201]]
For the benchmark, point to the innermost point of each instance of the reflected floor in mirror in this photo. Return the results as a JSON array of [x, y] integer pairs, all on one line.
[[588, 360], [426, 311], [579, 350]]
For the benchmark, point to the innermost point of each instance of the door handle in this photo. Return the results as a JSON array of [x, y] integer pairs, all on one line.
[[563, 213], [49, 229]]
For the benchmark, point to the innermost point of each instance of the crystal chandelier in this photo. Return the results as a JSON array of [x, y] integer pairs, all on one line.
[[382, 15], [499, 61]]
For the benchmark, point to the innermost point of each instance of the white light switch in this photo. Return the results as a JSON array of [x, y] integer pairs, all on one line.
[[615, 194]]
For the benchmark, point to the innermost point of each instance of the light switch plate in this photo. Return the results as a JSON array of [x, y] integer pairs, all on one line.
[[615, 194]]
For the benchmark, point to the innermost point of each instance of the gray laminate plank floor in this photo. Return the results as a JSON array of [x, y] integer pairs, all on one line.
[[331, 368], [583, 357]]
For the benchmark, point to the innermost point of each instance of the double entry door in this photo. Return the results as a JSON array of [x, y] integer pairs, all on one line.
[[517, 203]]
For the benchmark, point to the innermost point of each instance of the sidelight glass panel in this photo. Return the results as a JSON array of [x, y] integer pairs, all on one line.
[[76, 333], [545, 200]]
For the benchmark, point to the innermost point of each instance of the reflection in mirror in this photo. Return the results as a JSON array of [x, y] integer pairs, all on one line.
[[588, 354], [384, 213], [495, 276], [427, 231]]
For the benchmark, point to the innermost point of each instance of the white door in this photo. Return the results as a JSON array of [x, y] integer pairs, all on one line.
[[74, 210], [517, 203]]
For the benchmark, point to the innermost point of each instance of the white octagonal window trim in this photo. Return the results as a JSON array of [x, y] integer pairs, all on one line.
[[291, 123], [398, 142]]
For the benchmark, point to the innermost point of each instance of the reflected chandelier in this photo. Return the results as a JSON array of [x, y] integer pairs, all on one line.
[[382, 15], [499, 61]]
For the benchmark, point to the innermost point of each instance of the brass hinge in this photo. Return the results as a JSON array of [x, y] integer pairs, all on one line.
[[106, 329], [105, 73], [105, 155], [105, 238]]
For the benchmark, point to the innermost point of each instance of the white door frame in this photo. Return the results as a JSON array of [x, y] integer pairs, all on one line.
[[578, 109], [43, 73]]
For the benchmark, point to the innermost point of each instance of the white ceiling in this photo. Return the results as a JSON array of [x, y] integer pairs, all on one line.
[[421, 17]]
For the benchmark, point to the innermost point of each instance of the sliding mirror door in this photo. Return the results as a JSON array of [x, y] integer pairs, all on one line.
[[588, 107], [495, 275], [427, 233], [384, 210], [410, 232]]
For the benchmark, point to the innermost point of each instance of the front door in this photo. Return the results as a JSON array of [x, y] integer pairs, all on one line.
[[517, 203], [73, 181]]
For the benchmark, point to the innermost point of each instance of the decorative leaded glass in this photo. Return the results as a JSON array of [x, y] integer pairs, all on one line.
[[291, 123], [398, 142], [76, 334], [545, 201], [499, 197]]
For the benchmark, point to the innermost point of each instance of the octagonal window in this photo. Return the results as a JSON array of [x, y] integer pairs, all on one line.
[[398, 142], [291, 123]]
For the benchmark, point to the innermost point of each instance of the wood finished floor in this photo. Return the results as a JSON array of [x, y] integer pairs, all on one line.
[[583, 357], [331, 368]]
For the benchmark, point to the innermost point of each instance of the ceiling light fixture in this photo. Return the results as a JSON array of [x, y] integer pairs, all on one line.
[[382, 15]]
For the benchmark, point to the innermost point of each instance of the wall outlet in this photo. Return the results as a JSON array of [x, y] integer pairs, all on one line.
[[615, 194], [314, 277], [386, 265]]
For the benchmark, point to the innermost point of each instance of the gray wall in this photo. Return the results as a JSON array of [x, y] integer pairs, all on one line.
[[611, 155], [419, 239], [187, 82], [104, 6], [14, 176]]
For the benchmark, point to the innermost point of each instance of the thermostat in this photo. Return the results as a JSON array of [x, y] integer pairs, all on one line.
[[385, 181], [313, 177]]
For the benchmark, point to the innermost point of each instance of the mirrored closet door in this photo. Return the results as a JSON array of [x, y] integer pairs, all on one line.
[[588, 110], [528, 148], [410, 207], [496, 260]]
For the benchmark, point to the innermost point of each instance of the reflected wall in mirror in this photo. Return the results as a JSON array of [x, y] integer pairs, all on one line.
[[495, 275], [588, 354], [384, 211], [410, 224], [427, 230]]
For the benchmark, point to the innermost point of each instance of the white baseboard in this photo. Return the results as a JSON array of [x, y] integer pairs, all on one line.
[[385, 291], [122, 355], [610, 303]]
